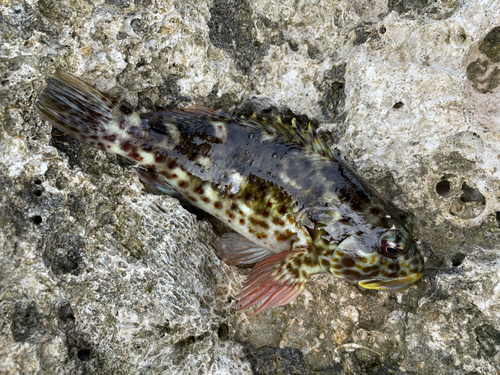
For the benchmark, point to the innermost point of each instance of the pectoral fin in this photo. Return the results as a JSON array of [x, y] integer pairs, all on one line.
[[277, 280], [235, 249]]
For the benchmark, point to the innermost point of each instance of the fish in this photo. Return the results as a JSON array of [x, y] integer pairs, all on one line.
[[296, 208]]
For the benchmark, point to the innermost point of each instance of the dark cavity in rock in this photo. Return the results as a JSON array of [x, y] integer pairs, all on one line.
[[470, 194], [443, 188], [232, 29]]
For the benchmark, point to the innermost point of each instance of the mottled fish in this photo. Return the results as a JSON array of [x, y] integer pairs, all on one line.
[[298, 208]]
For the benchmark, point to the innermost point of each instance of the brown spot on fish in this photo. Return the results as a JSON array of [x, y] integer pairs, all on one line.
[[183, 184], [231, 216], [248, 196], [292, 270], [261, 223], [242, 221], [133, 155], [282, 210], [250, 230], [325, 263], [352, 274], [264, 235], [199, 190], [218, 205], [192, 198], [394, 266], [205, 199], [348, 262], [160, 158], [328, 253], [285, 236], [337, 266], [309, 262], [172, 164], [126, 145], [369, 269], [265, 213], [372, 274], [297, 261]]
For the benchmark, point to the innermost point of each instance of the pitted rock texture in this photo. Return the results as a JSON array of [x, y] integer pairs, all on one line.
[[100, 274]]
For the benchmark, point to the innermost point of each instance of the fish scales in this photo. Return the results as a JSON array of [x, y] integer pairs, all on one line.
[[298, 208]]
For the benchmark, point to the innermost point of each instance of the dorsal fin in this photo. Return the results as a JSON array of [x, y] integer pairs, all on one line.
[[290, 133], [196, 109]]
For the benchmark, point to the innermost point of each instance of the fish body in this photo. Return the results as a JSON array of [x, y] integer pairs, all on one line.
[[298, 209]]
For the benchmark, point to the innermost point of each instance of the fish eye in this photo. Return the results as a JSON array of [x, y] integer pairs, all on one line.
[[393, 242]]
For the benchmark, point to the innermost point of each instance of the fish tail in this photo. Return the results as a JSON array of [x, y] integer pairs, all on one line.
[[75, 107], [87, 114]]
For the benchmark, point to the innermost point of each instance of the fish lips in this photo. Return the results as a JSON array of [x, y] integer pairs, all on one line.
[[393, 285]]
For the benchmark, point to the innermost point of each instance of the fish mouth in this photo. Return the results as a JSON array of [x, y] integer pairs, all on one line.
[[394, 285]]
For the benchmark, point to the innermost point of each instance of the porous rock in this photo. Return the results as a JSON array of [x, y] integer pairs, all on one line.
[[99, 274]]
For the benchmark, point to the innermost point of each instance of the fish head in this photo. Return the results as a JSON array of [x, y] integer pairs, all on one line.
[[376, 257]]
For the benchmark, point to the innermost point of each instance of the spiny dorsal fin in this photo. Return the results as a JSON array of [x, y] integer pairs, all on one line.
[[197, 109], [291, 133]]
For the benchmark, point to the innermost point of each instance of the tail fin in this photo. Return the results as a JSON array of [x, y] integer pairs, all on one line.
[[75, 107]]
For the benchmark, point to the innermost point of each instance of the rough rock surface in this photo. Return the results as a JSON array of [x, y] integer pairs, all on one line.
[[99, 274]]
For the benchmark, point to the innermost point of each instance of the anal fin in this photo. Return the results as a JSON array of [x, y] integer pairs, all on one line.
[[235, 249], [157, 180], [277, 280]]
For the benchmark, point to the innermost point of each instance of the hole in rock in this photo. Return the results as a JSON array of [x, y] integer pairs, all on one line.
[[223, 332], [398, 105], [458, 259], [65, 312], [382, 29], [443, 188], [83, 354], [37, 219], [37, 193], [471, 194], [498, 218]]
